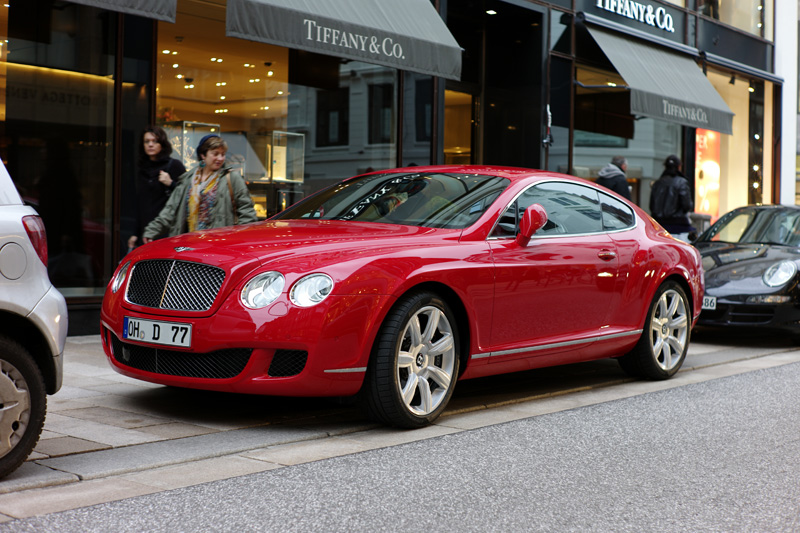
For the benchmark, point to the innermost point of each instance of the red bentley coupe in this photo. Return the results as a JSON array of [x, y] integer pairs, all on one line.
[[394, 285]]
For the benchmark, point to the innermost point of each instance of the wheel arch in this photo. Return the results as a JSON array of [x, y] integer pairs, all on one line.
[[454, 301], [25, 333]]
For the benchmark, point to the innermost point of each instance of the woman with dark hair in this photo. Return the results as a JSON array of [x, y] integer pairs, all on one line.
[[156, 179], [671, 200], [211, 195]]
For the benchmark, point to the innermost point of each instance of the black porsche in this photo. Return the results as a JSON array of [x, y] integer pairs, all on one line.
[[750, 258]]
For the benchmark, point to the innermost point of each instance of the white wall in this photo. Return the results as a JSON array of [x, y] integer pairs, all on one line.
[[786, 67]]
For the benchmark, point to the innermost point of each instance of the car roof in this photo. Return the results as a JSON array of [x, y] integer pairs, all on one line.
[[512, 173]]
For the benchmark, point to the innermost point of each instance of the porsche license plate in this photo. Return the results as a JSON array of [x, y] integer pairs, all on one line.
[[157, 332], [709, 302]]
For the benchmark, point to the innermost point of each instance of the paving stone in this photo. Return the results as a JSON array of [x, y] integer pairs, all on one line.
[[207, 470], [67, 445], [176, 430], [53, 500], [114, 417], [31, 476], [128, 459], [102, 433]]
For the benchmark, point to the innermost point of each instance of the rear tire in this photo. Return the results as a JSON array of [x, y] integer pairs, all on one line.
[[662, 347], [414, 364], [24, 403]]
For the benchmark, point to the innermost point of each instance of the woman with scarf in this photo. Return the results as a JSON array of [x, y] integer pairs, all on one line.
[[211, 195]]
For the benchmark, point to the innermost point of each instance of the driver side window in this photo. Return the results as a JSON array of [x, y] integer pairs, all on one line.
[[571, 209]]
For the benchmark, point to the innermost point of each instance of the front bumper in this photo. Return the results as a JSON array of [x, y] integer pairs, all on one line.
[[737, 314], [281, 350]]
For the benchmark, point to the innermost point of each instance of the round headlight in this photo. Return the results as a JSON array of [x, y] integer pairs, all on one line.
[[262, 290], [311, 290], [780, 273], [119, 279]]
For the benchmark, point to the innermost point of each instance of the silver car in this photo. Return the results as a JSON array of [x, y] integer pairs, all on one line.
[[33, 328]]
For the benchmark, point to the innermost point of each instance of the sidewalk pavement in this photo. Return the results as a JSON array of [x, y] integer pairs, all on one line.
[[109, 437]]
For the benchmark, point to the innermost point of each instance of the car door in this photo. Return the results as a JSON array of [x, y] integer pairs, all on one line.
[[556, 291]]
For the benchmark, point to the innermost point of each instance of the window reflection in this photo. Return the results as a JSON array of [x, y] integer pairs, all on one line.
[[751, 16]]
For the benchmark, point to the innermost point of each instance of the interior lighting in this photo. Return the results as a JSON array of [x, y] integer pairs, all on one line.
[[491, 12], [280, 92], [757, 136], [165, 51], [222, 83], [755, 167], [222, 98], [270, 73], [175, 65], [264, 107], [179, 76]]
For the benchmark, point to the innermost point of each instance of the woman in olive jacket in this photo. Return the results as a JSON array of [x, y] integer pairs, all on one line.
[[211, 195]]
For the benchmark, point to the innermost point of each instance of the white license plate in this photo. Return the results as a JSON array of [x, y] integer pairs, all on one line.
[[709, 302], [157, 332]]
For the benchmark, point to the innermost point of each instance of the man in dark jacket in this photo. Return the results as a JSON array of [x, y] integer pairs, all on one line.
[[612, 176], [671, 200]]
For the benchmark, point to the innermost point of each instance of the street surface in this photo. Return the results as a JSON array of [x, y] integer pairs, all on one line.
[[575, 448]]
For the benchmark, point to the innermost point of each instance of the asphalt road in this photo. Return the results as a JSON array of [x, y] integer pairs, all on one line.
[[720, 455]]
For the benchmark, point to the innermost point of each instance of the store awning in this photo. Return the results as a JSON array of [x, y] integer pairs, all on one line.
[[154, 9], [402, 34], [665, 85]]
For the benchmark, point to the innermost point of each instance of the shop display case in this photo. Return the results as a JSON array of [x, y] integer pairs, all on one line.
[[184, 136], [282, 182]]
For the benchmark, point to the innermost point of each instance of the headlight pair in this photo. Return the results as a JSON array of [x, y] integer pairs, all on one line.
[[265, 288]]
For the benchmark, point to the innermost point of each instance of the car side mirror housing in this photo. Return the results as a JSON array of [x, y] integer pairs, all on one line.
[[532, 221]]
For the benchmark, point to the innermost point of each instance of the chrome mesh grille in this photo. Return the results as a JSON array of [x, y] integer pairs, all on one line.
[[175, 285]]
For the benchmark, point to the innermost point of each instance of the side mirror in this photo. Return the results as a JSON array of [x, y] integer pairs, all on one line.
[[532, 221]]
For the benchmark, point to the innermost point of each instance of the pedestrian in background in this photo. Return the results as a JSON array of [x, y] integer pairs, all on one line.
[[671, 200], [211, 195], [612, 176], [156, 179]]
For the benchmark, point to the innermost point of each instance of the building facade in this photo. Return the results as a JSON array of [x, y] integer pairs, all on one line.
[[305, 99]]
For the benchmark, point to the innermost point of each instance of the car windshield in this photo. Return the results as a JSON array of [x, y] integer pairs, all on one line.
[[431, 200], [757, 226]]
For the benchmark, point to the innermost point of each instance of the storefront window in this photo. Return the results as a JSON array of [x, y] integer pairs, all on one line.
[[56, 118], [754, 17], [604, 128], [733, 170], [295, 121], [417, 119]]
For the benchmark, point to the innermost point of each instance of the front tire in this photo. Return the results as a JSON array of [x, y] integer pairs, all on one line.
[[23, 403], [662, 347], [414, 364]]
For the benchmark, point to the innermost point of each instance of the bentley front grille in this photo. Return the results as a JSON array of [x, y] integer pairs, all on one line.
[[175, 285], [221, 364]]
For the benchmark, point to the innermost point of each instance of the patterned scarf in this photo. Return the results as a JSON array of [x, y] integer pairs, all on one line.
[[202, 196]]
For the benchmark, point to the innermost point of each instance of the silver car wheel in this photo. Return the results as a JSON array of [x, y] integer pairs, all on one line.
[[669, 330], [426, 361], [15, 409]]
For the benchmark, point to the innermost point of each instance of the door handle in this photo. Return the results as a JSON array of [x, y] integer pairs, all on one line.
[[606, 255]]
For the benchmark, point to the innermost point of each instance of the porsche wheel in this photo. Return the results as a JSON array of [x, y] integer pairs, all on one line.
[[23, 402], [414, 364], [662, 347]]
